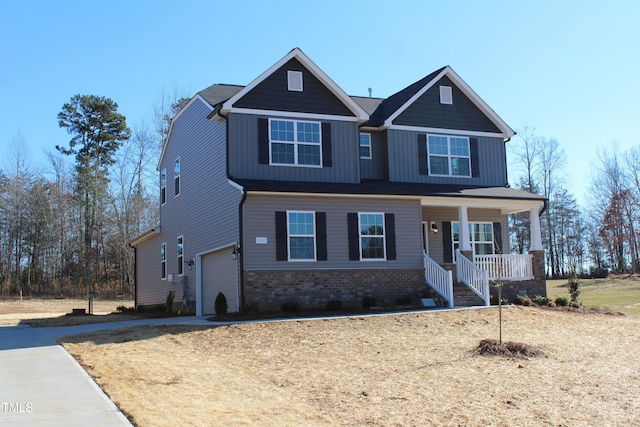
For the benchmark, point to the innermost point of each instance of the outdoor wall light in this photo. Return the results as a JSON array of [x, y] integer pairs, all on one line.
[[234, 254], [190, 263], [434, 227]]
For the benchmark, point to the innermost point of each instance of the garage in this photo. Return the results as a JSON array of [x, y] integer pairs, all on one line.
[[219, 274]]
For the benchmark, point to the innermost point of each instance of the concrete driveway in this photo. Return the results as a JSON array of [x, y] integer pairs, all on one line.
[[42, 385]]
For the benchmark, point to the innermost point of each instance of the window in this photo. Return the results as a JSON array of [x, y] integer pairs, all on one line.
[[163, 186], [163, 260], [180, 248], [449, 156], [301, 236], [446, 96], [294, 80], [372, 244], [176, 176], [295, 143], [365, 145], [481, 235]]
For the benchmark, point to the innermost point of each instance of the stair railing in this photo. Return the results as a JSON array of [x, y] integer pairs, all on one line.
[[476, 279], [438, 278]]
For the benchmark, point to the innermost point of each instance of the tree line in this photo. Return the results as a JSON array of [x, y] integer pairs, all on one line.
[[65, 226], [596, 239]]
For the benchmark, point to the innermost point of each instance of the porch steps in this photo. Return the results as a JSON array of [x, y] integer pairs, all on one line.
[[465, 297]]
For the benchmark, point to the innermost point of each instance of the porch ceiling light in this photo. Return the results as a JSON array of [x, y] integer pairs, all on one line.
[[434, 227]]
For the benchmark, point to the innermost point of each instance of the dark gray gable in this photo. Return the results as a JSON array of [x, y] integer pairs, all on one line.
[[273, 94], [427, 111]]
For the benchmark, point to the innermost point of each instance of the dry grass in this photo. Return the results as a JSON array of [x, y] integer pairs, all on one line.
[[52, 312], [416, 369]]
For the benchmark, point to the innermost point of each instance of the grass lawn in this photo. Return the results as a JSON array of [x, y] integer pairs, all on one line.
[[621, 295], [414, 369]]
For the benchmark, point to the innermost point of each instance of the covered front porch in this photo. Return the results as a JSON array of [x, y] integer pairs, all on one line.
[[466, 243]]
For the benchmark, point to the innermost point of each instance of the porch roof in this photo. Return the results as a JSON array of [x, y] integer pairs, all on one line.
[[509, 200]]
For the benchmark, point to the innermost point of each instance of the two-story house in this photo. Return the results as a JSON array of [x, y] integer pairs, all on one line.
[[288, 189]]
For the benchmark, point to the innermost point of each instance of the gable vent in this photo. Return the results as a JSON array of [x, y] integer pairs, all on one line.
[[446, 96], [295, 80]]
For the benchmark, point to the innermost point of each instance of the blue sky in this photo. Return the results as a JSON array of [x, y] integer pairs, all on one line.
[[569, 68]]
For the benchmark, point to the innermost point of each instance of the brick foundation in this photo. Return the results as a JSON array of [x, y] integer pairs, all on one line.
[[314, 288]]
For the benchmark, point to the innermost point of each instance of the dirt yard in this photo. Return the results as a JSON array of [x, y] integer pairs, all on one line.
[[51, 312], [415, 369]]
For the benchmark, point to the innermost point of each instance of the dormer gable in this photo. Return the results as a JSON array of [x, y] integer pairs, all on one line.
[[295, 85], [441, 100]]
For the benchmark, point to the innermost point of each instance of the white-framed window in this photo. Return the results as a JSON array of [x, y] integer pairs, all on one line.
[[163, 261], [294, 81], [365, 145], [176, 176], [372, 236], [481, 235], [446, 95], [449, 156], [296, 143], [180, 252], [301, 235], [163, 187]]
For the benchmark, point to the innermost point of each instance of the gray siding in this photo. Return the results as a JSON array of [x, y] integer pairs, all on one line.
[[441, 214], [273, 94], [206, 211], [404, 167], [259, 220], [376, 166], [427, 111], [243, 154]]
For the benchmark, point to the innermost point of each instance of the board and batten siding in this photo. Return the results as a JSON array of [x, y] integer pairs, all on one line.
[[376, 166], [259, 221], [205, 212], [243, 153], [446, 214], [404, 161]]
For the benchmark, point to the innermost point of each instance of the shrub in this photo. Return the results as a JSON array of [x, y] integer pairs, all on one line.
[[540, 300], [368, 302], [334, 305], [169, 301], [522, 300], [562, 301], [290, 307], [574, 284], [220, 304], [248, 308], [405, 300]]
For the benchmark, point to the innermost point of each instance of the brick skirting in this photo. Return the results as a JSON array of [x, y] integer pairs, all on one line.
[[314, 288]]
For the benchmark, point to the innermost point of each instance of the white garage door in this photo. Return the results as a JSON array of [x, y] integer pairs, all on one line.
[[219, 274]]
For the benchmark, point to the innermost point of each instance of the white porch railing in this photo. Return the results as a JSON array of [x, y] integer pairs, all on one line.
[[510, 267], [472, 276], [438, 278]]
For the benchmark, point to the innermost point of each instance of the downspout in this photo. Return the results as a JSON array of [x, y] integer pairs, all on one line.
[[544, 208], [135, 275], [239, 245]]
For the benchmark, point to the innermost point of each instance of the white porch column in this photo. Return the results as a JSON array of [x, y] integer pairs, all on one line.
[[536, 234], [465, 241]]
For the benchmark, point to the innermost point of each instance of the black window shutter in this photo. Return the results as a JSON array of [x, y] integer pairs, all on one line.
[[475, 161], [423, 166], [390, 231], [263, 141], [327, 161], [321, 236], [497, 236], [354, 236], [447, 245], [281, 236]]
